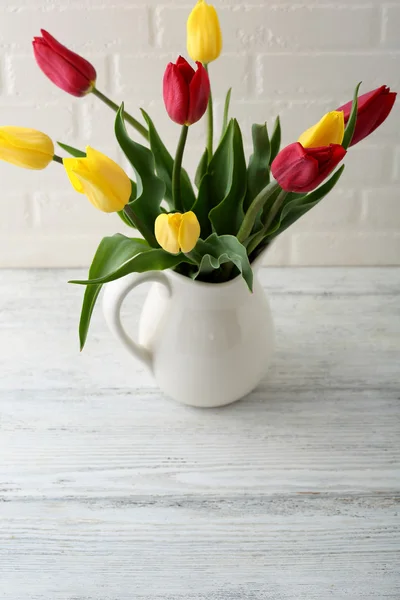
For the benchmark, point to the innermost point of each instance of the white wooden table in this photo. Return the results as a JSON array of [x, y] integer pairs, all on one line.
[[108, 491]]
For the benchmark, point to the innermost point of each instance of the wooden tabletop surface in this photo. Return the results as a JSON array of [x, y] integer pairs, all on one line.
[[109, 491]]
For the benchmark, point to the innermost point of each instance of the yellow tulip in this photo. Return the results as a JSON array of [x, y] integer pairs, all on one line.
[[175, 232], [329, 130], [106, 185], [26, 148], [204, 39]]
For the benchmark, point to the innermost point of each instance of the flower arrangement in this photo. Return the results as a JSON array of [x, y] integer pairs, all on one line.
[[214, 230]]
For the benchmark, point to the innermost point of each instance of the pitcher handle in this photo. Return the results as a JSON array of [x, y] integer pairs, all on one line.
[[114, 296]]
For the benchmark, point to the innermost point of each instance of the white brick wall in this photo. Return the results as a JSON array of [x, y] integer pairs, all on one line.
[[298, 59]]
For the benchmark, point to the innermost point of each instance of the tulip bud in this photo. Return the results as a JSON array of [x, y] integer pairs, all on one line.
[[186, 92], [106, 185], [204, 39], [329, 130], [372, 110], [25, 148], [67, 70], [177, 232], [301, 170]]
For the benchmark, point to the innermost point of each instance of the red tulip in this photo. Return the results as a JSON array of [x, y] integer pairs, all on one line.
[[186, 91], [67, 70], [373, 108], [299, 169]]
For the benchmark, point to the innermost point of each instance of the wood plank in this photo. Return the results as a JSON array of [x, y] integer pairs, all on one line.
[[276, 548], [66, 443]]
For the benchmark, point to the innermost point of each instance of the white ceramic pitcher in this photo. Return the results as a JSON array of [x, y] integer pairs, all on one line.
[[206, 344]]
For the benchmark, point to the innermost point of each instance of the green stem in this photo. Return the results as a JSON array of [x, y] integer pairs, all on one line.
[[271, 216], [140, 226], [226, 112], [58, 159], [255, 241], [128, 210], [254, 209], [275, 209], [210, 116], [128, 118], [176, 172]]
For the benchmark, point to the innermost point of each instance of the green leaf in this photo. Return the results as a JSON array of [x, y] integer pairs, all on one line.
[[217, 250], [71, 150], [226, 112], [220, 167], [89, 301], [275, 140], [258, 171], [293, 210], [164, 166], [201, 169], [150, 189], [228, 215], [111, 252], [203, 206], [120, 262], [351, 123], [215, 183]]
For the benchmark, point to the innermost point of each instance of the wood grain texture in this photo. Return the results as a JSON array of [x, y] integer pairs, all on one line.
[[108, 491]]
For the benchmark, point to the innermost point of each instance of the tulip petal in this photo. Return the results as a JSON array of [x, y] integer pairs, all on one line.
[[25, 147], [387, 105], [109, 174], [373, 109], [329, 130], [98, 177], [166, 230], [327, 163], [204, 38], [369, 120], [186, 69], [189, 232], [66, 69], [301, 170], [71, 166], [102, 198], [60, 72], [176, 94], [363, 101], [78, 62], [199, 93], [292, 167], [22, 137]]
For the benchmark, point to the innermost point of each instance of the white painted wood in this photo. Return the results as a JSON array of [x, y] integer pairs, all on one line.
[[108, 491]]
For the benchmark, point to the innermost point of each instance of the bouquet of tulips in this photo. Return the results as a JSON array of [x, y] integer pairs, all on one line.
[[213, 230]]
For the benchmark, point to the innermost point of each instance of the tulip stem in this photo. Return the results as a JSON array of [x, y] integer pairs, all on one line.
[[253, 210], [58, 159], [140, 226], [271, 216], [176, 172], [210, 116], [275, 208], [128, 118]]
